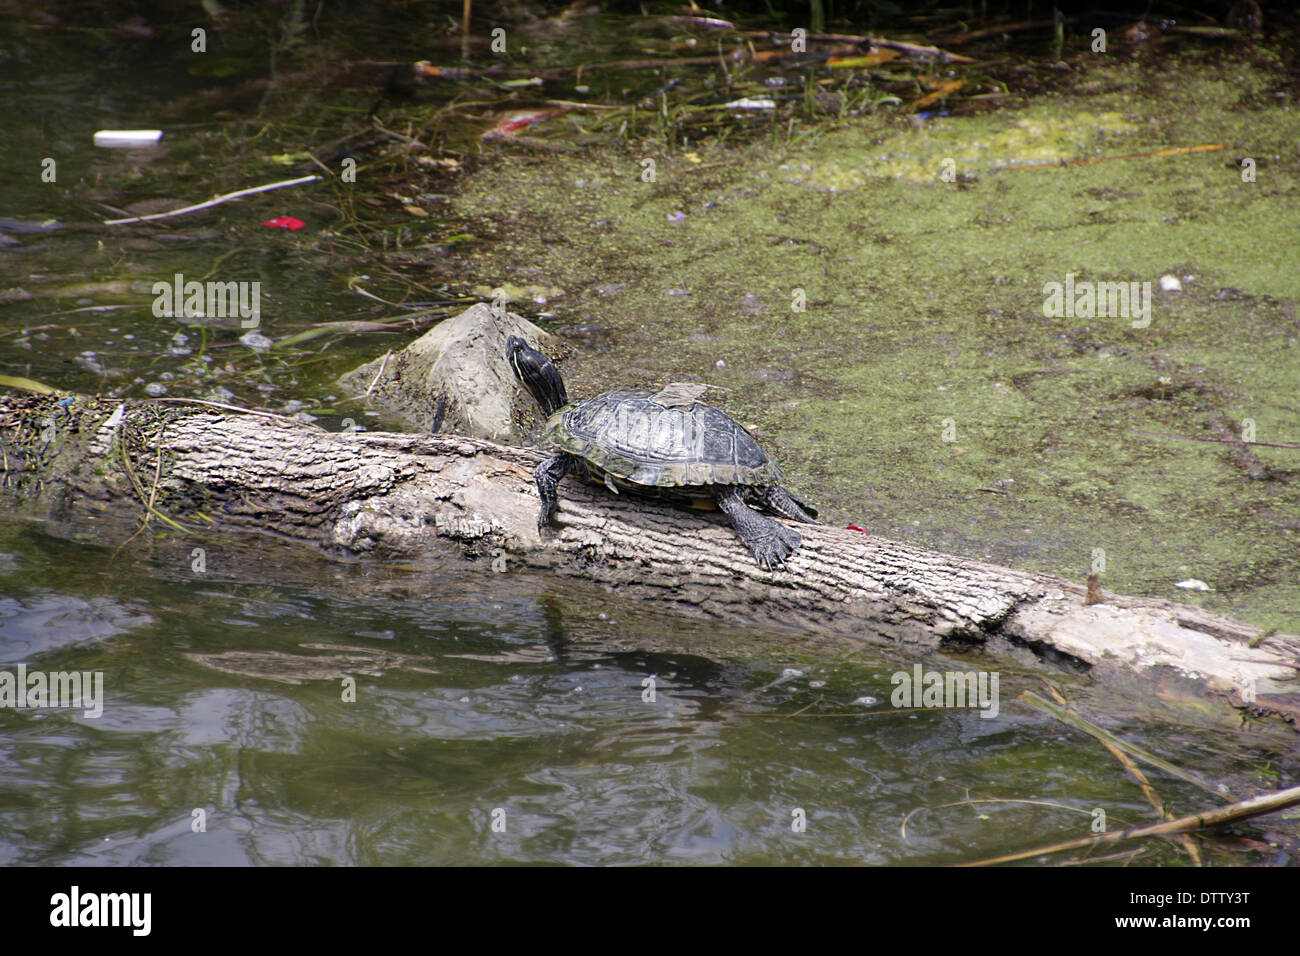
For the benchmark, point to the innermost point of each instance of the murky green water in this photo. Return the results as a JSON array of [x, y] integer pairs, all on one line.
[[512, 699], [504, 717]]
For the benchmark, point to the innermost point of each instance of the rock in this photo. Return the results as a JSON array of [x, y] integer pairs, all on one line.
[[460, 364]]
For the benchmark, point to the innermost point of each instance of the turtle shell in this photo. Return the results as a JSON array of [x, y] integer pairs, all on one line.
[[661, 439]]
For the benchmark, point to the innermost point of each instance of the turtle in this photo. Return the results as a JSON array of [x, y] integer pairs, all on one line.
[[661, 443]]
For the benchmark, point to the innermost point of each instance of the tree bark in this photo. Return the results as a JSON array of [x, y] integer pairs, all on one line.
[[197, 468]]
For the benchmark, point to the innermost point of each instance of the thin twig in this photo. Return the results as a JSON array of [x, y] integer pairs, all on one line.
[[744, 697], [235, 408], [1244, 810], [942, 56], [397, 136], [383, 365], [217, 201], [1088, 161], [135, 483], [464, 30], [1088, 727], [1223, 441], [153, 493], [1148, 791], [970, 803]]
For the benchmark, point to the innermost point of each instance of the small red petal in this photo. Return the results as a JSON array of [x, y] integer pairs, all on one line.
[[284, 222], [853, 527]]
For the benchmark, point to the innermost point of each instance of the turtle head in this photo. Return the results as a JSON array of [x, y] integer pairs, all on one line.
[[537, 374]]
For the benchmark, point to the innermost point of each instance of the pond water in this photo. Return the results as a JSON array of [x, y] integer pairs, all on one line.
[[479, 701], [276, 707]]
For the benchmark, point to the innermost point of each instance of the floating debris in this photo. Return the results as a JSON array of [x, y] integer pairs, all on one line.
[[515, 120], [284, 222], [256, 341], [127, 138]]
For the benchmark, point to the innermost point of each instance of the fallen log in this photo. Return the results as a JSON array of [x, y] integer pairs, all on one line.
[[196, 468]]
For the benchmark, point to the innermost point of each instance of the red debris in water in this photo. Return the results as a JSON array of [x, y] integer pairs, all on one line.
[[512, 122], [853, 527], [284, 222], [425, 68]]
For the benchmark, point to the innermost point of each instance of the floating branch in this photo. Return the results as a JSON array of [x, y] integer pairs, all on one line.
[[1254, 807], [217, 201]]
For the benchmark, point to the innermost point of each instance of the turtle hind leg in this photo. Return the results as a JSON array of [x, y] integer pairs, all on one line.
[[769, 542], [779, 501], [548, 476]]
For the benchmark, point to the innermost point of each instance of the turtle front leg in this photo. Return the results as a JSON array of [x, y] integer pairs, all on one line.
[[548, 475], [769, 542]]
